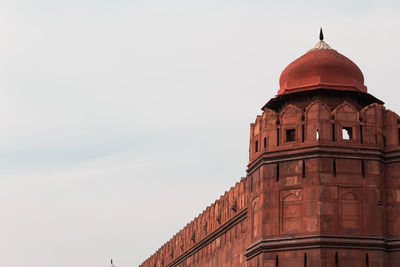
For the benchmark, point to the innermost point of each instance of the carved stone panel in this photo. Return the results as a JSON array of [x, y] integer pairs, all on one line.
[[291, 211]]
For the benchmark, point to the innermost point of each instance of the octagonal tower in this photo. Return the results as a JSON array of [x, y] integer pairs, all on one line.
[[324, 170]]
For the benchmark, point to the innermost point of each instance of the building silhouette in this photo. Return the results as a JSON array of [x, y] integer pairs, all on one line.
[[322, 185]]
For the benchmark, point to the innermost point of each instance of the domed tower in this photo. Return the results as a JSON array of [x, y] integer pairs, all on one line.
[[323, 180], [324, 170]]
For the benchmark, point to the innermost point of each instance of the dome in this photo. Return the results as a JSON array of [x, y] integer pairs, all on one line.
[[321, 67]]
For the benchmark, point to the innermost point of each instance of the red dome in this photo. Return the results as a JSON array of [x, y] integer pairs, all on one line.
[[321, 67]]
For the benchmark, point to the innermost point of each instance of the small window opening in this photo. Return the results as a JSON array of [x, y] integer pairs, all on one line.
[[336, 259], [362, 169], [347, 133], [277, 137], [265, 142], [334, 168], [304, 169], [384, 140], [366, 260], [305, 259], [398, 136], [333, 133], [317, 134], [361, 134], [277, 172], [256, 146], [290, 135], [276, 261], [302, 133]]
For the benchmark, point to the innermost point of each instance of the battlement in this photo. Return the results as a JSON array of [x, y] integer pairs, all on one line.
[[215, 217], [326, 122]]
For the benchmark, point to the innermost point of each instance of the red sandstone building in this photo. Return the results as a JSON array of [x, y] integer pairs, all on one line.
[[322, 185]]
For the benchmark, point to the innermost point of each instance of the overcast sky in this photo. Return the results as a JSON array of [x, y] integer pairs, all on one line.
[[122, 120]]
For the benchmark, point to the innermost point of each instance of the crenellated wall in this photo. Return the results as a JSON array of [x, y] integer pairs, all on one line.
[[216, 228], [321, 122]]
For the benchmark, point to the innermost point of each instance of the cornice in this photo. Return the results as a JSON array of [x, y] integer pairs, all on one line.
[[320, 151], [322, 241]]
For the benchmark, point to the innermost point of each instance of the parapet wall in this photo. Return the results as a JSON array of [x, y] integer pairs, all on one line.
[[213, 221], [324, 122]]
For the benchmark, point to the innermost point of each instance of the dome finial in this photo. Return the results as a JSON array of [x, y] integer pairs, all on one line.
[[321, 34]]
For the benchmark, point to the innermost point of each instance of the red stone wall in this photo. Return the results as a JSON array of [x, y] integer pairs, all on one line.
[[311, 198], [217, 236]]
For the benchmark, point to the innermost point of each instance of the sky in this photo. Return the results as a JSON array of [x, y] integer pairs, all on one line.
[[121, 120]]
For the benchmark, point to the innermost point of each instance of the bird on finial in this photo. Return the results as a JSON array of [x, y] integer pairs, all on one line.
[[321, 34]]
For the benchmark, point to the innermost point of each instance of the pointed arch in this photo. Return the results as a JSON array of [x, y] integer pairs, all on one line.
[[350, 212], [290, 114], [345, 106], [349, 196], [345, 112], [291, 197], [291, 211], [317, 110], [317, 122], [270, 117], [391, 118], [371, 113]]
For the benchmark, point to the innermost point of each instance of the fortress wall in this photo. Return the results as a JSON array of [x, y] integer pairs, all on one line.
[[215, 229]]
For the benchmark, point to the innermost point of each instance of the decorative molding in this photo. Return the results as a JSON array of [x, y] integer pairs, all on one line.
[[321, 150], [322, 241]]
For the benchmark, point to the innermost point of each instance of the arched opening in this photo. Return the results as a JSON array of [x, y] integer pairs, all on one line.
[[347, 133]]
